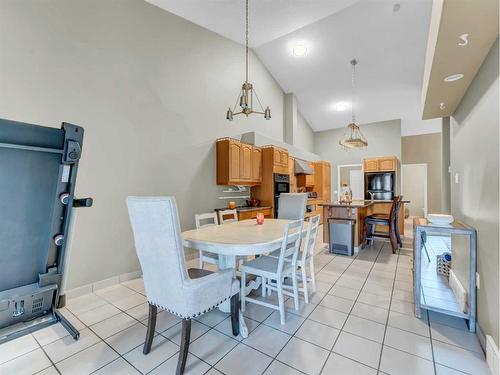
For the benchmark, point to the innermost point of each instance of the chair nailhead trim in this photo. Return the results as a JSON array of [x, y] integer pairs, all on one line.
[[189, 316]]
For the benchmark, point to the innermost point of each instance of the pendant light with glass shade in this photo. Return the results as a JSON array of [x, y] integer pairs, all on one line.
[[247, 93], [353, 138]]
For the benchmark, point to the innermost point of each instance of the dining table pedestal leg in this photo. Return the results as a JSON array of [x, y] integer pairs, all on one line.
[[225, 262]]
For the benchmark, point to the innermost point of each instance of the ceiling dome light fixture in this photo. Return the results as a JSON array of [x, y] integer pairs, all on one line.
[[299, 50], [341, 106], [247, 93], [454, 77], [353, 138]]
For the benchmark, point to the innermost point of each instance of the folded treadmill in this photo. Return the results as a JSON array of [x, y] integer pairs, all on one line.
[[38, 167]]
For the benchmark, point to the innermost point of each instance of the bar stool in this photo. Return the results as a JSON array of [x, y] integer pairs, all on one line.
[[391, 221]]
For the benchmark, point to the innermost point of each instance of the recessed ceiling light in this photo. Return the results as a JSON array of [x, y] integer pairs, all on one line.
[[341, 106], [299, 50], [454, 77]]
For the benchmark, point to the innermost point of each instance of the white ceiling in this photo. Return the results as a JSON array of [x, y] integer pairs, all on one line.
[[268, 19], [389, 46]]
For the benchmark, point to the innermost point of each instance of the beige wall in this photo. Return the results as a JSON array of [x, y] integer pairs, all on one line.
[[426, 148], [413, 177], [384, 139], [304, 138], [445, 165], [474, 158], [151, 91]]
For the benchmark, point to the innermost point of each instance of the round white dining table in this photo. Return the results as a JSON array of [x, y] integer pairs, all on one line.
[[238, 239]]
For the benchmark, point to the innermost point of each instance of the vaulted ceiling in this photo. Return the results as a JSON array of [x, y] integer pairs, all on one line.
[[388, 40]]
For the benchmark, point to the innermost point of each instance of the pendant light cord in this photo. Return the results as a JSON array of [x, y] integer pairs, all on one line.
[[353, 83], [246, 43]]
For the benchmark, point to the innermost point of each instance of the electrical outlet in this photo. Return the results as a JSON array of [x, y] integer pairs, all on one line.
[[478, 281]]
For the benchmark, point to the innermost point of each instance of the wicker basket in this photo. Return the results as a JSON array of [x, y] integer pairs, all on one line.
[[443, 266]]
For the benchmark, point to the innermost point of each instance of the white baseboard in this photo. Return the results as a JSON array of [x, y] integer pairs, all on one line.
[[481, 337], [89, 288], [492, 357], [458, 290]]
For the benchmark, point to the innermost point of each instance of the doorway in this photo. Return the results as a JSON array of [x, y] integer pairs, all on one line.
[[351, 175], [414, 188]]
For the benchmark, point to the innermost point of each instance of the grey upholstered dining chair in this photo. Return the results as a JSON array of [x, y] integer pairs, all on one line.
[[292, 206], [169, 286]]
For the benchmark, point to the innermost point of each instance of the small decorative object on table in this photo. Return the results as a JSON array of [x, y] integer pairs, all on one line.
[[440, 219], [260, 218], [231, 205], [345, 194], [443, 264]]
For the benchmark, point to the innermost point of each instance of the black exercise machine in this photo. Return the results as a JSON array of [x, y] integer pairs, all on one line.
[[38, 167]]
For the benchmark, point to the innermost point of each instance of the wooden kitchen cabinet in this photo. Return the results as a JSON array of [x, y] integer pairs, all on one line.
[[382, 164], [238, 163], [252, 214], [387, 164], [245, 162], [371, 165], [279, 159], [322, 180], [306, 180], [256, 164]]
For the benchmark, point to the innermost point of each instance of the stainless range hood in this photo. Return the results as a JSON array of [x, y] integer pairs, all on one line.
[[302, 167]]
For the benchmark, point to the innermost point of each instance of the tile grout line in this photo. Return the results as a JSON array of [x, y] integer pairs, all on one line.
[[430, 338], [291, 335], [352, 307], [45, 353], [388, 315]]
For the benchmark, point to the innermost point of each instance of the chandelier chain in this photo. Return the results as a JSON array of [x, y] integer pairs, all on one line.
[[353, 89], [247, 92], [246, 41]]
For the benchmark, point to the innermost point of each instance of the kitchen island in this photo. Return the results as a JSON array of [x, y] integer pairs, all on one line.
[[357, 211]]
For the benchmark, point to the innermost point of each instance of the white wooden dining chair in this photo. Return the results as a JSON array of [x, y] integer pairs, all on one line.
[[305, 259], [270, 268], [169, 286], [207, 220], [228, 216]]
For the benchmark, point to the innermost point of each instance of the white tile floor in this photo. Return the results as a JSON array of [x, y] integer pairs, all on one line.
[[360, 321]]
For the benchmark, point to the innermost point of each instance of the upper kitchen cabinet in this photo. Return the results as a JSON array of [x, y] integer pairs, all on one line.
[[246, 162], [256, 164], [322, 180], [383, 164], [307, 180], [280, 159], [238, 163]]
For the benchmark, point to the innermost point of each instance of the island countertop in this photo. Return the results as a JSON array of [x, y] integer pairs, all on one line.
[[358, 204]]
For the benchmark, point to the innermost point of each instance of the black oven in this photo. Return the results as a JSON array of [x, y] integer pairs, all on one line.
[[281, 185]]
